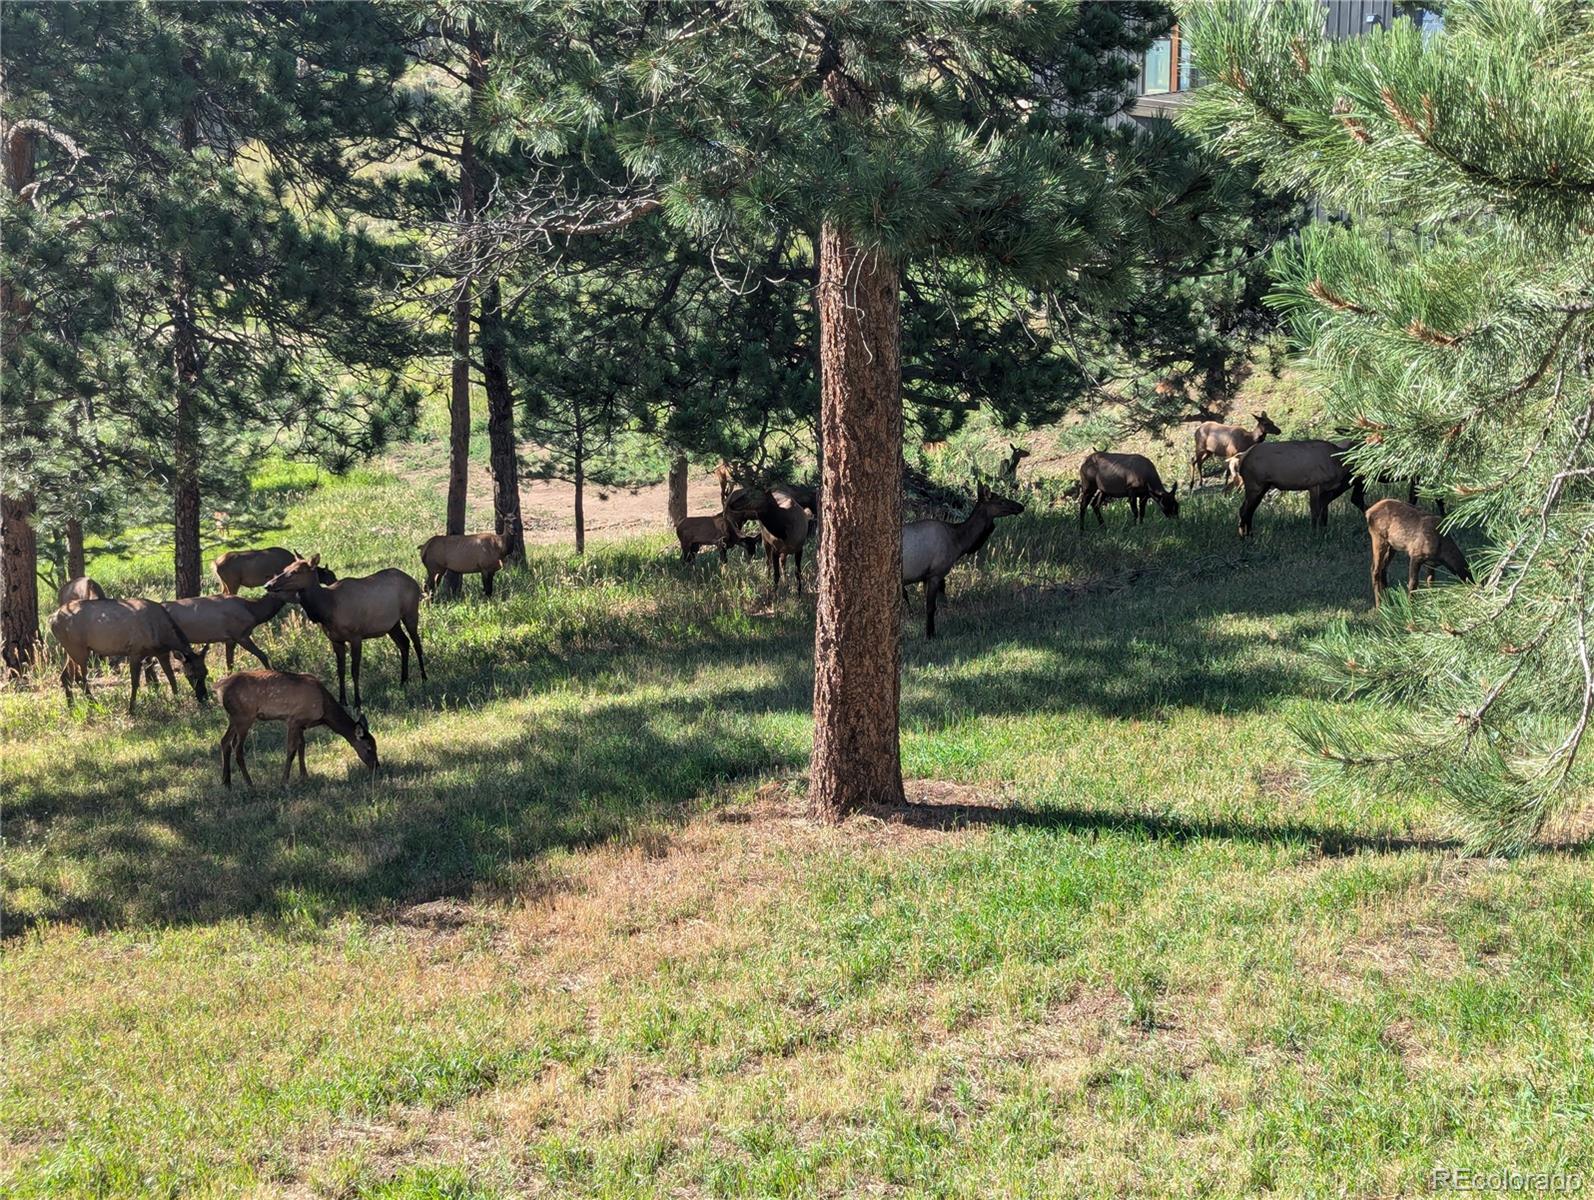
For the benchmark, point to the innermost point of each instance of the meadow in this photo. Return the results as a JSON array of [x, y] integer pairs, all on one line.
[[577, 938]]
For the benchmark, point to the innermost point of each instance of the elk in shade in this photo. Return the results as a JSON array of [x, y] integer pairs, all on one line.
[[931, 548], [299, 700]]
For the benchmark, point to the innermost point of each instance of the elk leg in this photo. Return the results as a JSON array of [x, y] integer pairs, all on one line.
[[337, 649], [295, 738], [1084, 503], [166, 665], [403, 644], [1101, 498], [412, 625], [137, 662], [304, 772], [487, 583], [1381, 554], [248, 643], [226, 758], [354, 665], [1411, 492], [932, 589], [799, 557], [1253, 498], [240, 733], [1414, 565]]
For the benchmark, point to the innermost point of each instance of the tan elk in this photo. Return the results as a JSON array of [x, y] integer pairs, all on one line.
[[251, 568], [931, 548], [81, 588], [387, 603], [465, 554], [132, 629], [301, 701], [784, 523], [1108, 476], [1213, 439], [720, 532], [1315, 467], [1395, 525], [231, 619]]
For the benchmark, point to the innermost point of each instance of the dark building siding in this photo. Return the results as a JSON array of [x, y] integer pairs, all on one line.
[[1348, 18]]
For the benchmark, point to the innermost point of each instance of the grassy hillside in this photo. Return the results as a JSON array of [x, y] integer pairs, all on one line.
[[576, 938]]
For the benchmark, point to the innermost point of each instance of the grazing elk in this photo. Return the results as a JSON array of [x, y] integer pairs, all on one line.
[[465, 554], [231, 619], [1315, 467], [1213, 439], [301, 701], [720, 532], [131, 629], [351, 610], [1107, 476], [931, 548], [784, 524], [1395, 525], [251, 568], [81, 588]]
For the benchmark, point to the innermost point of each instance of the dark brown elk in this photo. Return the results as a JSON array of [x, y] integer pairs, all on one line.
[[387, 603], [720, 532], [1395, 525], [930, 549], [465, 554], [132, 629], [81, 588], [1216, 440], [1315, 467], [784, 524], [301, 701], [1107, 476], [251, 568], [231, 619]]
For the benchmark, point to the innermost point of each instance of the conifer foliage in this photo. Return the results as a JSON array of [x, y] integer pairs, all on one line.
[[1451, 322]]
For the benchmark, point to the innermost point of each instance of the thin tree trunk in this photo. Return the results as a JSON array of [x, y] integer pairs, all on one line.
[[76, 564], [677, 500], [581, 488], [504, 455], [185, 429], [856, 759], [19, 545]]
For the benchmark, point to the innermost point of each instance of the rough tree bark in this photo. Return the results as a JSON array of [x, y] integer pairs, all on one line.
[[76, 563], [677, 501], [856, 759], [19, 545], [185, 428], [504, 455]]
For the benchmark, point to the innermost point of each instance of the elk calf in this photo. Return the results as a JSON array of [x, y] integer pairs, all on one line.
[[1396, 525], [719, 532], [301, 701], [465, 554]]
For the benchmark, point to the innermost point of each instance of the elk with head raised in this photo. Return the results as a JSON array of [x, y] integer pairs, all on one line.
[[131, 629], [81, 588], [387, 603], [1108, 476], [931, 548], [252, 568], [1315, 467], [230, 619], [1395, 525], [465, 554], [301, 701], [784, 524], [1213, 439]]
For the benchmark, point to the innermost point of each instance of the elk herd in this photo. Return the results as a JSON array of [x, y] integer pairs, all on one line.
[[144, 634]]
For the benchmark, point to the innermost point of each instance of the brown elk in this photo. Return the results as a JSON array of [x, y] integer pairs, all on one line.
[[132, 629], [931, 548], [784, 526], [1315, 467], [465, 554], [1009, 472], [1395, 525], [1213, 439], [720, 532], [81, 588], [251, 568], [1107, 476], [351, 610], [230, 619], [301, 701]]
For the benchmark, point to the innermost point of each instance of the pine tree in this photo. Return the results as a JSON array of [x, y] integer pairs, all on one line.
[[1451, 323]]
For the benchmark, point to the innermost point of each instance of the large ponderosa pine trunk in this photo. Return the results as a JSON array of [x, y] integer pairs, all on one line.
[[19, 545], [503, 454], [856, 760]]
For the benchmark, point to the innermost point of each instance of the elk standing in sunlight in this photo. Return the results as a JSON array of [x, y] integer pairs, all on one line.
[[1107, 476], [1395, 525], [301, 701], [1213, 439], [131, 629], [251, 568], [387, 603], [465, 554], [931, 548], [1315, 467], [229, 619], [81, 588]]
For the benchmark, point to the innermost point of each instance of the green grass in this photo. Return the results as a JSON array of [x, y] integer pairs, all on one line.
[[571, 941]]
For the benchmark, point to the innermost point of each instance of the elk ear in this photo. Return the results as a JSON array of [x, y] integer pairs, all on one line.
[[315, 560], [361, 727], [982, 492]]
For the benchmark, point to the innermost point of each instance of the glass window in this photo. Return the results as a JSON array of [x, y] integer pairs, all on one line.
[[1157, 76], [1186, 72]]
